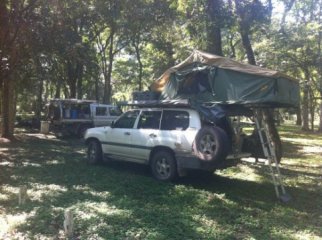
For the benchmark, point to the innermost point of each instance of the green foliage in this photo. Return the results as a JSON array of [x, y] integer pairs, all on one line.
[[90, 49]]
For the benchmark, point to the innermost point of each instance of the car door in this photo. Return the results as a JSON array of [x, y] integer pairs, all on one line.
[[119, 136], [174, 125], [146, 135]]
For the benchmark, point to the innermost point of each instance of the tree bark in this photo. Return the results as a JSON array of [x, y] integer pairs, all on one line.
[[311, 108], [72, 79], [79, 73], [214, 42], [305, 108], [138, 57], [269, 118], [39, 98], [8, 114], [298, 116], [320, 124], [244, 33], [108, 87]]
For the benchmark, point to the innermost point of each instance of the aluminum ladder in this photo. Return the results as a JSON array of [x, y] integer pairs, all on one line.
[[270, 154]]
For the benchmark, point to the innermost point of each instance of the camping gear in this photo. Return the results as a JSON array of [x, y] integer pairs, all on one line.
[[207, 78]]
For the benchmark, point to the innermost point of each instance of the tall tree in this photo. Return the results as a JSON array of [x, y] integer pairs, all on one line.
[[15, 18], [214, 9]]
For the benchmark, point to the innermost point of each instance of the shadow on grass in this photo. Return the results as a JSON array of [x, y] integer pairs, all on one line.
[[121, 200]]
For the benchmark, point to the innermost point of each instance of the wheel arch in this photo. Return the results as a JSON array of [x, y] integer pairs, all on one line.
[[88, 140], [161, 148]]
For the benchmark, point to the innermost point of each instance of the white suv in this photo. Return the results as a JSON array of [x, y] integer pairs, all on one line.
[[170, 140]]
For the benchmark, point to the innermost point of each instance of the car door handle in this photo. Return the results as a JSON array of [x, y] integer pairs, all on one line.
[[152, 135], [127, 133]]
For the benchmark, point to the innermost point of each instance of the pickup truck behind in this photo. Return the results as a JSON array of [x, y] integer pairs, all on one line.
[[74, 117]]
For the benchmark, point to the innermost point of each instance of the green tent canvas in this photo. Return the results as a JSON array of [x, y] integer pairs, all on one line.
[[207, 78]]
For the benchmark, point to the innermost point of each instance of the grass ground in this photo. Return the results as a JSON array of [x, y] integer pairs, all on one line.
[[123, 201]]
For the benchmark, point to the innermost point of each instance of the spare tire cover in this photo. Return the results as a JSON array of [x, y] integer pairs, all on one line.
[[211, 144]]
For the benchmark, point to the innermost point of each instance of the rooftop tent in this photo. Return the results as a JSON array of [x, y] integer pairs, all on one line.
[[208, 78]]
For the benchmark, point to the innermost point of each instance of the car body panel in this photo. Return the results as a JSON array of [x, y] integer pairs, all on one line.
[[135, 144]]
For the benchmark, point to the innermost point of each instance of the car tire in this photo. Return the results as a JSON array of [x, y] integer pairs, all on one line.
[[94, 152], [211, 144], [163, 166]]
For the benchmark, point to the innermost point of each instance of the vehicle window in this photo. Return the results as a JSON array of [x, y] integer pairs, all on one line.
[[101, 111], [115, 111], [150, 120], [174, 120], [127, 120]]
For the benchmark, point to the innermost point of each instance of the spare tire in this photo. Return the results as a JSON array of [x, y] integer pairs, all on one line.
[[211, 144]]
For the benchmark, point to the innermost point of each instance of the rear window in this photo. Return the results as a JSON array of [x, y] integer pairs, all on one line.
[[174, 120]]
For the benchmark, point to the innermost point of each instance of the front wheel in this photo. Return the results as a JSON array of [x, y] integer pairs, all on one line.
[[163, 166], [94, 152]]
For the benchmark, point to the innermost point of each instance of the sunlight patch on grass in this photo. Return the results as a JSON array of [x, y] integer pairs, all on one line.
[[39, 191], [41, 136], [25, 164], [88, 209], [241, 172], [312, 149], [7, 190], [9, 222], [7, 163], [87, 189], [302, 141], [306, 235], [205, 222]]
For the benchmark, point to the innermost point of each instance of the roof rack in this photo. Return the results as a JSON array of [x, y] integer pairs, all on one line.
[[157, 103]]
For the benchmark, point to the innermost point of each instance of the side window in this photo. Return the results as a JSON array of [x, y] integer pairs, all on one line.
[[115, 111], [175, 120], [150, 120], [127, 120], [101, 111]]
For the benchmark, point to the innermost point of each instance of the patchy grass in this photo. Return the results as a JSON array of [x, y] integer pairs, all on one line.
[[123, 201]]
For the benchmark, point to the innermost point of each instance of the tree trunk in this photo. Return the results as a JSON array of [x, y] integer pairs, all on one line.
[[8, 113], [247, 46], [58, 89], [305, 108], [107, 86], [79, 74], [298, 116], [138, 57], [311, 108], [320, 124], [269, 118], [72, 79], [214, 43], [39, 98]]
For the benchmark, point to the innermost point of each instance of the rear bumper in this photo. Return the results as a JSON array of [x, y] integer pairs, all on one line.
[[186, 160]]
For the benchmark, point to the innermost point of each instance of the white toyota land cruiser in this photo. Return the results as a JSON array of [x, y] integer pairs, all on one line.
[[170, 140]]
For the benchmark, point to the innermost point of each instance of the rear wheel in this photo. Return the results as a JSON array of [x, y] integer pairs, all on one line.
[[163, 166], [94, 152]]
